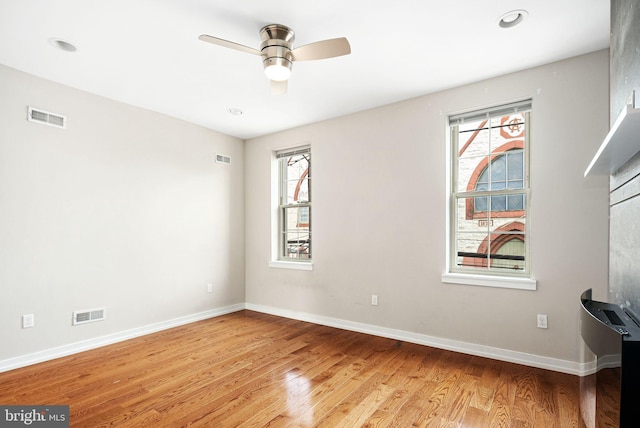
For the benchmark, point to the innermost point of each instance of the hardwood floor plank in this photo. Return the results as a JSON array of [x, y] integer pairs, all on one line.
[[526, 385], [459, 399], [418, 409], [524, 412], [502, 407], [249, 369], [406, 381], [475, 418], [568, 408], [482, 398], [357, 416]]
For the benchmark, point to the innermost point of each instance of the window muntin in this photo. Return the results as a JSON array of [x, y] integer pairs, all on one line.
[[294, 206], [490, 191]]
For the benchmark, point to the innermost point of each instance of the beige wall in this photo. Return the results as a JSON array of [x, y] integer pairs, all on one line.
[[379, 211], [125, 208]]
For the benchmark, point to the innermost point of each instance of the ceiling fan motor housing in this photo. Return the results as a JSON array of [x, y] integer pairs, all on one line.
[[276, 50]]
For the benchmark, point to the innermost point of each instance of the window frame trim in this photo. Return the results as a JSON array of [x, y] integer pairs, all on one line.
[[277, 245], [485, 280], [489, 278]]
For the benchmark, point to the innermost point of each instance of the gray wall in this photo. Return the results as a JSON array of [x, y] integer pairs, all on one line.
[[380, 213], [624, 251], [625, 54], [125, 208], [624, 270]]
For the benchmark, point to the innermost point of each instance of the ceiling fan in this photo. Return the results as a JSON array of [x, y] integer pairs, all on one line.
[[278, 54]]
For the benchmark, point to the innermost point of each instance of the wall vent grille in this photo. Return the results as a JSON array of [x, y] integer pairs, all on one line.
[[91, 315], [223, 159], [46, 118]]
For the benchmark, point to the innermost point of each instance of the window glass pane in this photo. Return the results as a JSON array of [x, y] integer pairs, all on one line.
[[469, 173], [496, 139], [505, 128], [469, 232], [515, 165], [303, 216], [510, 254], [476, 222], [297, 236], [481, 203], [467, 245], [498, 169], [517, 184], [296, 177], [491, 251], [481, 240], [515, 202], [498, 185], [498, 203], [470, 133]]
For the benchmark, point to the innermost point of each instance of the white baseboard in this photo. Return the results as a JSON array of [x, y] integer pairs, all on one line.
[[532, 360], [563, 366], [74, 348]]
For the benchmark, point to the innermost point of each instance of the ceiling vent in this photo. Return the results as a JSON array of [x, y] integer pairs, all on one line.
[[223, 159], [46, 118], [91, 315]]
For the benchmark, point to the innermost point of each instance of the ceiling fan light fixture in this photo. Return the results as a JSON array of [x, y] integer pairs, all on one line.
[[277, 69]]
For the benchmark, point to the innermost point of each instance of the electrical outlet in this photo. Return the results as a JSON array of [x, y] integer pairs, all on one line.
[[374, 299], [542, 321], [28, 321], [209, 288]]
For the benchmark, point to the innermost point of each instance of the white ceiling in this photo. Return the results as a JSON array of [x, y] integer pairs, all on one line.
[[147, 53]]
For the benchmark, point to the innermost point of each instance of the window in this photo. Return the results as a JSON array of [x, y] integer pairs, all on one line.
[[490, 192], [294, 205]]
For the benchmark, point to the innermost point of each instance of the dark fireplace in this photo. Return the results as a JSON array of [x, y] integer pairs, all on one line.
[[609, 397]]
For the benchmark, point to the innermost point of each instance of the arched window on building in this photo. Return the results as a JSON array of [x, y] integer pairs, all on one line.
[[505, 171]]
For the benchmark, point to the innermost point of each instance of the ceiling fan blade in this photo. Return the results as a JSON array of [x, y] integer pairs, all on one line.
[[278, 87], [321, 50], [228, 44]]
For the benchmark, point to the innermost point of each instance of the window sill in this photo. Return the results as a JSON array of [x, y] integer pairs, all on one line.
[[290, 265], [490, 281]]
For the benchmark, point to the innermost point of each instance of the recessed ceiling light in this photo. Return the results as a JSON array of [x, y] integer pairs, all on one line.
[[234, 111], [62, 45], [512, 18]]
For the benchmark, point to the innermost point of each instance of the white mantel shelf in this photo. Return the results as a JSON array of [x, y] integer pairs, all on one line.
[[621, 144]]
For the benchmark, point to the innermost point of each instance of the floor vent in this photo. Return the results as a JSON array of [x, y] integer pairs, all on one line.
[[83, 317], [46, 118], [223, 159]]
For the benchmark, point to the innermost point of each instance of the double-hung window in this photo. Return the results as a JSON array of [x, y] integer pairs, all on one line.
[[294, 204], [489, 231]]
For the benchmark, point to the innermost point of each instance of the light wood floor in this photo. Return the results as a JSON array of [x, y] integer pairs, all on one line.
[[251, 369]]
